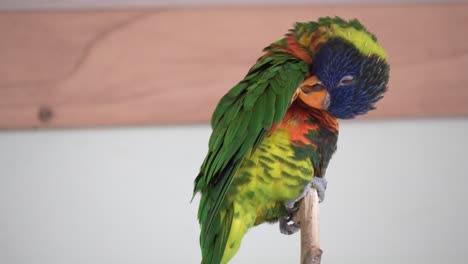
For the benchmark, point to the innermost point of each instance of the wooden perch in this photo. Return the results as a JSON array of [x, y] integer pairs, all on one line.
[[308, 216]]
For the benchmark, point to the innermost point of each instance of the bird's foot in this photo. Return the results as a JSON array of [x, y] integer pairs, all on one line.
[[320, 184], [291, 206], [288, 226]]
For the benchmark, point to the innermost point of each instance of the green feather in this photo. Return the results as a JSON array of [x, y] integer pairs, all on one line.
[[227, 101], [240, 121], [269, 115]]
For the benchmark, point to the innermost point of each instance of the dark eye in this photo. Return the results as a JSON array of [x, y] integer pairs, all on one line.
[[346, 80], [308, 89]]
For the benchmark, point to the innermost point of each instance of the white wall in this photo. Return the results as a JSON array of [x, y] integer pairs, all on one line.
[[397, 194]]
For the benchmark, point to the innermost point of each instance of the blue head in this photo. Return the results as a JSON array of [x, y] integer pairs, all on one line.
[[354, 82]]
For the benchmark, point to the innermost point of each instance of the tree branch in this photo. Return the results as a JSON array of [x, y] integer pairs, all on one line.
[[308, 215]]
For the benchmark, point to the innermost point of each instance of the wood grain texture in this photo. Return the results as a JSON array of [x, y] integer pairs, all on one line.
[[140, 67], [311, 253]]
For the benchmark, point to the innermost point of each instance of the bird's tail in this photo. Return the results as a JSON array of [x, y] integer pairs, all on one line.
[[220, 241]]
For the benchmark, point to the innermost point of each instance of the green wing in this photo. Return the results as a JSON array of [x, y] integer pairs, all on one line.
[[241, 120]]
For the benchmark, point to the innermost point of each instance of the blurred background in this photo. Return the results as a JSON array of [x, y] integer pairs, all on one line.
[[104, 109]]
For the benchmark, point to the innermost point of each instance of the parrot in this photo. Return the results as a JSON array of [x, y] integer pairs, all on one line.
[[274, 133]]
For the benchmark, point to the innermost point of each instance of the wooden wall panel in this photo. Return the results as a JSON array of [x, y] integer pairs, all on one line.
[[140, 67]]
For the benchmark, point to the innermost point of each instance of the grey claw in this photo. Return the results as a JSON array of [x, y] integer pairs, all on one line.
[[320, 184], [291, 206], [288, 226]]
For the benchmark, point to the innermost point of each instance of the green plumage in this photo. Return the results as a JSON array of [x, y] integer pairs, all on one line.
[[240, 122], [264, 149]]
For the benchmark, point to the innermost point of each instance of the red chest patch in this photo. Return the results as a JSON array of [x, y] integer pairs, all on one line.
[[299, 122]]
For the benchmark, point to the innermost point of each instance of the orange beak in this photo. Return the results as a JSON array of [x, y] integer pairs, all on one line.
[[313, 93]]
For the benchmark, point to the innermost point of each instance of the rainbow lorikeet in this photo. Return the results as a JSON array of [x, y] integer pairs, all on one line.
[[276, 130]]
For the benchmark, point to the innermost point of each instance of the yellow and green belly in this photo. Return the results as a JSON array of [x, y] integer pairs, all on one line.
[[265, 180], [269, 177]]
